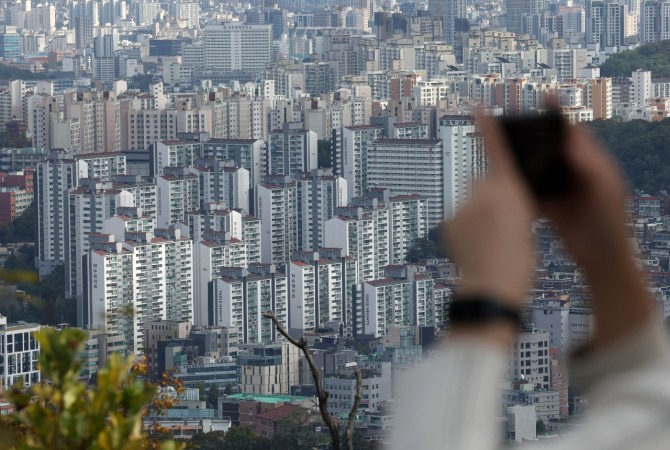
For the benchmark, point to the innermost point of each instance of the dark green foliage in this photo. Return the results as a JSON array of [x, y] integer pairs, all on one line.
[[540, 428], [213, 396], [642, 150], [214, 440], [6, 140], [42, 302], [240, 438], [141, 82], [21, 230], [654, 57], [325, 153], [12, 73], [424, 248], [298, 431]]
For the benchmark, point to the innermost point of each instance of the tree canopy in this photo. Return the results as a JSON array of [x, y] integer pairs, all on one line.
[[654, 57], [642, 150], [67, 413]]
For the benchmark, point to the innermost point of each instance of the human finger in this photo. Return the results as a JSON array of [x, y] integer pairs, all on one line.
[[497, 147]]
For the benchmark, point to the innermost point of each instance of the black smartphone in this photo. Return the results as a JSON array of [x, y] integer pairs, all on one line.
[[538, 143]]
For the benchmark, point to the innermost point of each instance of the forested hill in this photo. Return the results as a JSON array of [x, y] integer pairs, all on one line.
[[642, 148], [654, 57]]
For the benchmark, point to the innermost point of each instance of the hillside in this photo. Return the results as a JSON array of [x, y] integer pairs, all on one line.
[[654, 57], [642, 150]]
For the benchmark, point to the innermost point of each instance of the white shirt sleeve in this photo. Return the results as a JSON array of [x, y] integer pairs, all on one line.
[[452, 401]]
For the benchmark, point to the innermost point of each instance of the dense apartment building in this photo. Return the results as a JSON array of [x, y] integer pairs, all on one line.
[[240, 297]]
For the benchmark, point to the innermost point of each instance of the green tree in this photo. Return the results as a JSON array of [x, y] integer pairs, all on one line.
[[240, 438], [66, 413], [229, 389], [654, 57], [641, 149], [202, 391], [540, 428], [325, 153], [213, 396], [214, 440], [298, 431]]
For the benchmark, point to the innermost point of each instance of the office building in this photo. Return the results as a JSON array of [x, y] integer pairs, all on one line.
[[268, 368], [237, 47], [529, 359], [20, 352]]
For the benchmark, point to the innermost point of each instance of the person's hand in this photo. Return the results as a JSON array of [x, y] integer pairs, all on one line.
[[591, 217], [490, 236]]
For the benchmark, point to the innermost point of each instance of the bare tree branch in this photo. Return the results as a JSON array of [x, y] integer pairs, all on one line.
[[354, 408], [322, 394]]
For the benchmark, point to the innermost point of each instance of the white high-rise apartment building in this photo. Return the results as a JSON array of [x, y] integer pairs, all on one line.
[[128, 219], [20, 352], [216, 251], [88, 206], [321, 290], [464, 160], [242, 295], [404, 298], [655, 21], [351, 146], [54, 178], [248, 154], [237, 47], [173, 153], [213, 217], [144, 278], [362, 231], [276, 209], [318, 194], [641, 89], [251, 235], [221, 181], [186, 13], [411, 166], [408, 221], [143, 191], [178, 192], [291, 152]]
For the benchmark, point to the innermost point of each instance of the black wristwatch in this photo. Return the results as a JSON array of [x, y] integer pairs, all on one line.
[[480, 310]]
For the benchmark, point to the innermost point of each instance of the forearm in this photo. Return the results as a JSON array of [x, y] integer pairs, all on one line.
[[620, 300]]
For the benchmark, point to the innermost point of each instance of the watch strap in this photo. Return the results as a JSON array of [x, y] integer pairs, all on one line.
[[479, 310]]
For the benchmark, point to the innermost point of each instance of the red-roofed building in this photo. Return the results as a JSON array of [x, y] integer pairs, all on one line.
[[265, 424]]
